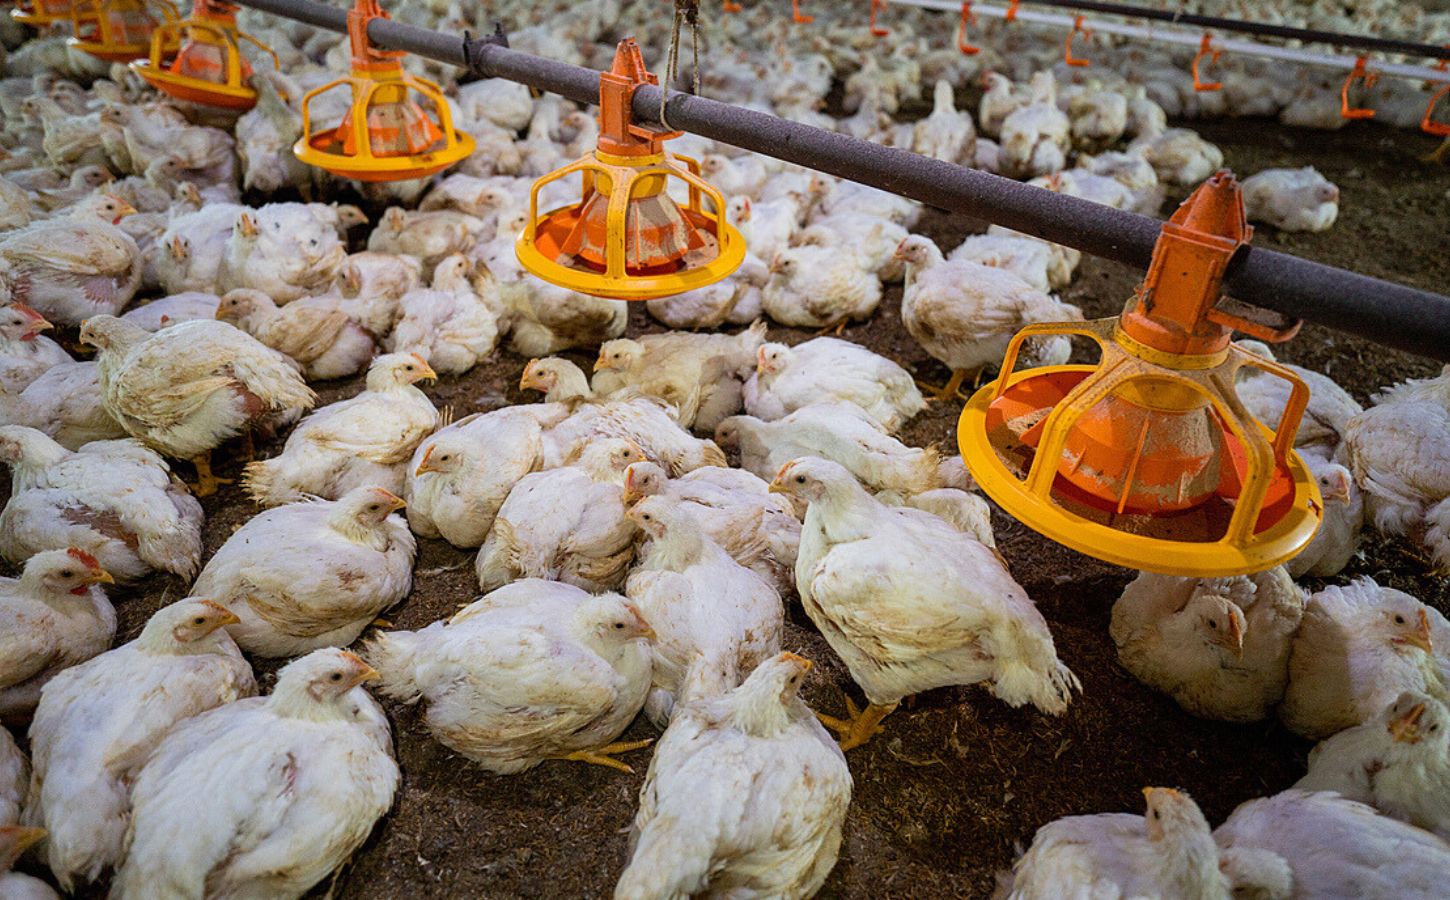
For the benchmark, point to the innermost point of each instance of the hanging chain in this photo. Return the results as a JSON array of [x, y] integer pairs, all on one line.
[[687, 11]]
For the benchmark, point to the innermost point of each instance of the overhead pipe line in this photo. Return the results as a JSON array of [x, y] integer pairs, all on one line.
[[1392, 314]]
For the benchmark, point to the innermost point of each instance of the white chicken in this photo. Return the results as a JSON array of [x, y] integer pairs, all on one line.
[[370, 285], [1338, 538], [872, 239], [24, 351], [98, 722], [535, 670], [1218, 646], [363, 440], [73, 266], [745, 796], [14, 841], [565, 524], [1179, 156], [820, 287], [263, 797], [312, 574], [173, 309], [1326, 419], [14, 779], [285, 250], [700, 375], [53, 616], [313, 331], [946, 134], [1291, 199], [454, 325], [827, 369], [192, 246], [1036, 137], [430, 237], [1000, 99], [910, 603], [1030, 260]]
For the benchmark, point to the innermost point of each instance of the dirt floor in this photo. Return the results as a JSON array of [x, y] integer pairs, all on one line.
[[942, 797]]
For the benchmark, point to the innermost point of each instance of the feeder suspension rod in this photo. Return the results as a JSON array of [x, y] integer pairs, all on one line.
[[1392, 314]]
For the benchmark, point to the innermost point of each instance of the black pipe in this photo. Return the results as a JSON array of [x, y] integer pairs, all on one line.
[[1392, 314]]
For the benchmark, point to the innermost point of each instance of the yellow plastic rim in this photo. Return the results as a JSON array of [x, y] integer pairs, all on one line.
[[383, 168], [1202, 559], [109, 52]]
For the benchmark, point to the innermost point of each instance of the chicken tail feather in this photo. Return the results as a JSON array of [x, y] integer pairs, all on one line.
[[1437, 534], [1030, 672], [394, 655], [259, 481]]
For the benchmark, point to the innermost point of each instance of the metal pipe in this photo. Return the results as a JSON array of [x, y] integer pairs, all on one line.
[[1392, 314]]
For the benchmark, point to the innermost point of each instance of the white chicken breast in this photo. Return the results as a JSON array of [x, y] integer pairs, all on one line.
[[99, 721], [1326, 419], [745, 796], [363, 440], [192, 246], [1218, 646], [312, 574], [54, 616], [714, 619], [265, 796], [73, 266], [827, 369], [820, 287], [700, 375], [24, 351], [285, 250], [910, 603], [65, 403], [535, 670], [14, 779], [451, 325], [314, 332], [565, 524], [1167, 852]]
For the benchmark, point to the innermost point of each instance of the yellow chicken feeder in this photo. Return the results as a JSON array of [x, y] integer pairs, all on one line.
[[388, 135], [39, 13], [209, 67], [120, 30], [626, 238], [1149, 459]]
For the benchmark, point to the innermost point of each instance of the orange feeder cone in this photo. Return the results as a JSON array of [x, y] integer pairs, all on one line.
[[209, 67], [1149, 459], [399, 126], [627, 238]]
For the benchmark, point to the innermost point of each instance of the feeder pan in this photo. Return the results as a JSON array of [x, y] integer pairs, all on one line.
[[399, 126], [39, 13], [120, 30], [1149, 459], [208, 68], [626, 238]]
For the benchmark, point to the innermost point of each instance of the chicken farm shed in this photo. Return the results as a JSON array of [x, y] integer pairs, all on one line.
[[888, 449]]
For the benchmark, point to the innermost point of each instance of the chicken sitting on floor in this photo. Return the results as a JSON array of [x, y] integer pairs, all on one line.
[[98, 721], [363, 440], [24, 351], [823, 369], [535, 670], [73, 266], [1398, 762], [1167, 852], [1326, 419], [456, 323], [910, 603], [1218, 646], [1291, 199], [700, 375], [55, 615], [266, 796], [312, 574], [186, 389], [745, 796], [313, 331]]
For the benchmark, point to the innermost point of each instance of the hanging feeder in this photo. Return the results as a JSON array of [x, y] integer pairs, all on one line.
[[208, 68], [120, 30], [627, 238], [1149, 459], [39, 13], [398, 127]]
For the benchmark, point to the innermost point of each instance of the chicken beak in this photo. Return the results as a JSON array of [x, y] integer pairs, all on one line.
[[1236, 636], [125, 210], [37, 324], [602, 362], [427, 373], [778, 484], [423, 465], [761, 366], [530, 380], [101, 576], [22, 839], [1421, 637], [804, 664], [774, 264], [1405, 729]]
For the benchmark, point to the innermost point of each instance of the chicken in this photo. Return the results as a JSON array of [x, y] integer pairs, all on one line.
[[700, 375], [1291, 199], [1030, 260], [545, 319], [768, 225], [266, 134], [565, 524], [735, 299], [313, 331], [192, 247], [820, 287], [370, 285], [24, 351], [64, 403], [645, 421], [285, 250], [116, 500], [74, 266], [1335, 847], [1179, 156], [910, 603], [1325, 420], [455, 324], [14, 841], [827, 369], [186, 389], [1218, 646], [1337, 540], [745, 796], [266, 796], [535, 670], [363, 440], [1036, 137], [871, 238], [1168, 852], [173, 310], [504, 103], [1000, 99], [965, 314], [714, 619], [1398, 762], [839, 431], [14, 779], [1099, 117], [946, 134], [55, 615], [430, 237], [98, 722], [1358, 647], [742, 176], [1399, 452]]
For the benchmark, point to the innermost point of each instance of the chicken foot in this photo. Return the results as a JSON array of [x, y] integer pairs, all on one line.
[[1440, 155], [206, 482], [950, 390], [862, 724], [837, 327], [604, 756]]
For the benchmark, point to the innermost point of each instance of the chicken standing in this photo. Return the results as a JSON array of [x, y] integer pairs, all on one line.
[[98, 722], [363, 440], [745, 796], [313, 331], [910, 603], [266, 796], [826, 369], [535, 670], [312, 574], [73, 266], [191, 248]]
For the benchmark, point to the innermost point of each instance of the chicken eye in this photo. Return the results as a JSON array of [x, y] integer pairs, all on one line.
[[373, 507], [800, 479], [619, 625], [67, 573], [1399, 620], [1157, 814], [647, 517], [1213, 623], [335, 676], [199, 620]]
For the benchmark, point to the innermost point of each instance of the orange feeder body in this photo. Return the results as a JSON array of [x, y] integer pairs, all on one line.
[[119, 30], [1149, 459], [208, 68], [39, 13]]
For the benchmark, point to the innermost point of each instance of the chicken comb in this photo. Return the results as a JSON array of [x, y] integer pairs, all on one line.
[[83, 557], [27, 312], [419, 358]]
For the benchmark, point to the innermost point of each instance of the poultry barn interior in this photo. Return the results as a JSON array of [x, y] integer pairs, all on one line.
[[376, 395]]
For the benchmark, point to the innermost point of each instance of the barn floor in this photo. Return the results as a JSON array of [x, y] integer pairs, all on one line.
[[944, 794]]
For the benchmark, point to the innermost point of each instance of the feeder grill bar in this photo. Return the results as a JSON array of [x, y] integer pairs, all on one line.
[[1392, 314]]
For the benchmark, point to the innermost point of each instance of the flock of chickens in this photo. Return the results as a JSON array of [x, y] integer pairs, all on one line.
[[625, 566]]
